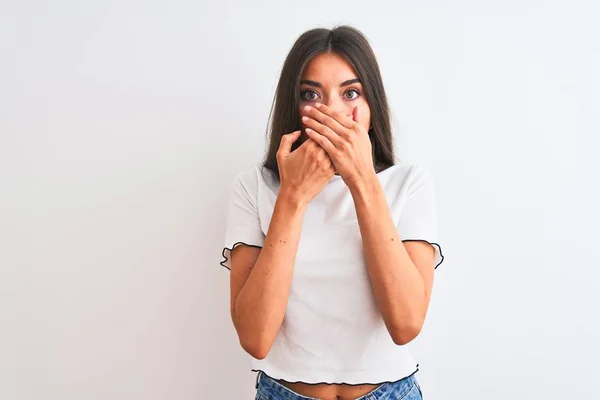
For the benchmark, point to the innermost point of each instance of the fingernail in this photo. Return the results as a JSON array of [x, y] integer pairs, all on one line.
[[307, 108], [318, 105], [304, 119]]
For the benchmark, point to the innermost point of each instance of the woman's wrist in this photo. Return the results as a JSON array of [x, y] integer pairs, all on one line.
[[292, 198]]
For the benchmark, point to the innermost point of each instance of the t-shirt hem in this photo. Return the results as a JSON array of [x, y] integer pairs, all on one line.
[[439, 256], [350, 378], [226, 251]]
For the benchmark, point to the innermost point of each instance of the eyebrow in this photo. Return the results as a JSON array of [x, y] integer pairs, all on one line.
[[317, 84]]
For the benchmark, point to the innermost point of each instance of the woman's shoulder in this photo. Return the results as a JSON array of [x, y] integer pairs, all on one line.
[[403, 178], [248, 174], [254, 176], [404, 171]]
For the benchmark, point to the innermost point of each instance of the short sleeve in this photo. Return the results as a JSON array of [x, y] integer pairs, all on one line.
[[243, 223], [418, 219]]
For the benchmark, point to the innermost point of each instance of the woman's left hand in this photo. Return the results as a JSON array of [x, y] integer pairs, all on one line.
[[344, 139]]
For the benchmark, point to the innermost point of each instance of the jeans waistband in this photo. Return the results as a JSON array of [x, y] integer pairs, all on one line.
[[266, 385]]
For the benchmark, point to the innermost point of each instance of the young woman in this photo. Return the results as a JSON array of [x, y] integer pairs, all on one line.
[[330, 243]]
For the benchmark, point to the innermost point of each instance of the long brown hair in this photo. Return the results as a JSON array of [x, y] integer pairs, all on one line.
[[352, 45]]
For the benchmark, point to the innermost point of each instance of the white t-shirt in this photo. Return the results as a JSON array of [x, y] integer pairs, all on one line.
[[332, 330]]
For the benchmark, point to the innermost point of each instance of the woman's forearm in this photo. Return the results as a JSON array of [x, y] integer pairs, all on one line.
[[261, 303], [397, 284]]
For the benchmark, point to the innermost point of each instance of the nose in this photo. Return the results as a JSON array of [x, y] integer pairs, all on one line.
[[336, 104]]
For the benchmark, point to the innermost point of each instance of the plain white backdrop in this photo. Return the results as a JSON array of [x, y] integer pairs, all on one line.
[[123, 123]]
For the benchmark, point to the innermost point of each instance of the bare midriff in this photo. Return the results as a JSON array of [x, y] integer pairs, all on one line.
[[324, 391]]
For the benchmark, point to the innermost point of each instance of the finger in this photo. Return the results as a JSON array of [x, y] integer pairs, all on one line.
[[322, 141], [287, 140], [340, 117], [356, 116], [325, 119], [333, 137]]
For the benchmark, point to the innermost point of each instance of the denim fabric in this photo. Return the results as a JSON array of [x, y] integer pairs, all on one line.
[[406, 389]]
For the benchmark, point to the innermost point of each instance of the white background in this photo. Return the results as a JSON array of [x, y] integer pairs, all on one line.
[[123, 123]]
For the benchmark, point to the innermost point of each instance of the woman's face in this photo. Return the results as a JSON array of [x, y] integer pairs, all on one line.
[[329, 79]]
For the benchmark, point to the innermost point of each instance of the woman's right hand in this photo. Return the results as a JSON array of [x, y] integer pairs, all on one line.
[[305, 171]]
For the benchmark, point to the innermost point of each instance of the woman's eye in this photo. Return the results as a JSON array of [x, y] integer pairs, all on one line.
[[351, 94], [308, 95]]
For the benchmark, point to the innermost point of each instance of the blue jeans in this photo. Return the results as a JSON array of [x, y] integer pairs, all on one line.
[[404, 389]]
